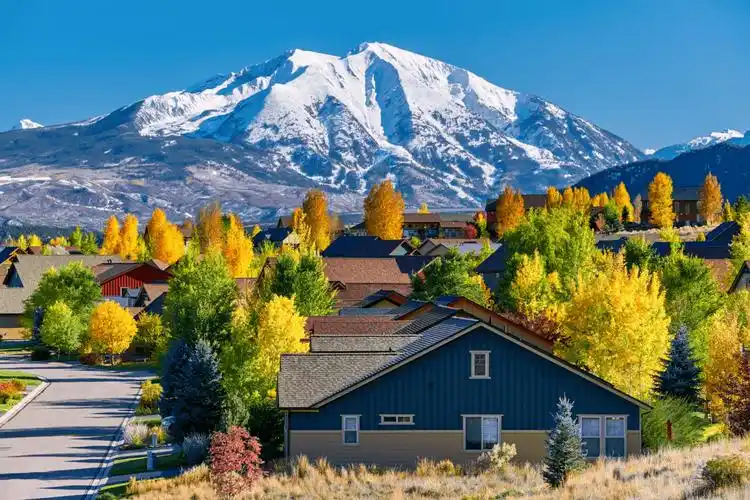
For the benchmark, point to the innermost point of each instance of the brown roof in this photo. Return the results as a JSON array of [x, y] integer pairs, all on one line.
[[352, 325], [109, 270], [354, 270], [453, 223], [350, 294], [154, 290]]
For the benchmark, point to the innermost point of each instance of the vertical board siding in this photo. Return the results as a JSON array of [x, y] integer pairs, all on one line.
[[134, 278], [436, 388]]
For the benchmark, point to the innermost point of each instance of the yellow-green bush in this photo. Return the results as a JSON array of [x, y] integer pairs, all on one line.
[[721, 472], [150, 395]]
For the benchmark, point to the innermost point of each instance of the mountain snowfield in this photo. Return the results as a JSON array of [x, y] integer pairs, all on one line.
[[259, 138], [701, 142], [25, 123]]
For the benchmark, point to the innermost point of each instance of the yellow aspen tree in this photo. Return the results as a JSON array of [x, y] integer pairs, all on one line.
[[210, 227], [302, 228], [423, 209], [554, 198], [567, 197], [384, 212], [128, 248], [280, 330], [510, 210], [637, 208], [533, 290], [602, 199], [155, 226], [165, 239], [622, 200], [710, 199], [21, 242], [111, 244], [35, 241], [315, 206], [238, 249], [111, 328], [723, 358], [581, 199], [255, 231], [727, 214], [660, 200], [616, 326]]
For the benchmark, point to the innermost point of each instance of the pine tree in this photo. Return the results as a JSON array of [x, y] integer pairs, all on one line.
[[315, 206], [660, 200], [680, 375], [554, 198], [384, 212], [111, 244], [198, 393], [510, 210], [172, 373], [128, 247], [710, 199], [564, 446]]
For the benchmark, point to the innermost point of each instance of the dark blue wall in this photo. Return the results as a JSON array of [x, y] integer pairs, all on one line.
[[436, 388]]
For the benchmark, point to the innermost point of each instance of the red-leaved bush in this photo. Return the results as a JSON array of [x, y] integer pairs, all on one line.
[[235, 461], [10, 389]]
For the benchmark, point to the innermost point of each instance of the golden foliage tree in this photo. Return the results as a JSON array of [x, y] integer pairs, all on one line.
[[622, 200], [581, 199], [384, 212], [600, 200], [554, 198], [302, 228], [255, 231], [111, 244], [660, 200], [238, 248], [21, 242], [616, 326], [534, 291], [111, 328], [210, 227], [510, 210], [567, 197], [165, 239], [280, 330], [128, 248], [727, 214], [315, 206], [710, 199], [423, 209]]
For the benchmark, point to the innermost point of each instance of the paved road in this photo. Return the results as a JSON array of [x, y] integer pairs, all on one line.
[[54, 447]]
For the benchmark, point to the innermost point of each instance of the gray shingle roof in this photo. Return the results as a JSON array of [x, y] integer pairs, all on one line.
[[360, 343]]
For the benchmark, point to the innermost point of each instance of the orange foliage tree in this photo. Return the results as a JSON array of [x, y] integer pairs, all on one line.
[[165, 239], [238, 248], [210, 227], [554, 198], [711, 199], [111, 244], [384, 212], [660, 200], [315, 206], [510, 210]]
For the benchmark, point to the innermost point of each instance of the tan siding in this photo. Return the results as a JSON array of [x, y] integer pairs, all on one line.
[[10, 326], [634, 443]]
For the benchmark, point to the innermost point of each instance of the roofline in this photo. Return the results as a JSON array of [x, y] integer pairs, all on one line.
[[550, 357], [738, 276]]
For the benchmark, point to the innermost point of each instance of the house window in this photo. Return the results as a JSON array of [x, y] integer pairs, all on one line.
[[481, 432], [604, 435], [350, 429], [480, 364], [396, 419]]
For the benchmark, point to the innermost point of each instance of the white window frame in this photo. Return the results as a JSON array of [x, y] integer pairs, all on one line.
[[401, 419], [473, 355], [343, 429], [481, 424], [603, 434]]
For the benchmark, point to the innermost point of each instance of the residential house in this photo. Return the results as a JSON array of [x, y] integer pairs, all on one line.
[[444, 386], [492, 268], [122, 282], [336, 225], [441, 246], [367, 246], [422, 225], [742, 279], [529, 201], [429, 225], [684, 203], [278, 237]]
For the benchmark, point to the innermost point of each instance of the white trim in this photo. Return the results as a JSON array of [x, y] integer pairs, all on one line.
[[481, 425], [343, 429], [549, 357], [486, 354], [397, 416], [602, 437]]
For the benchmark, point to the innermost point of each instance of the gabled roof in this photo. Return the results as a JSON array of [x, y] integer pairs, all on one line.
[[495, 263], [352, 325], [7, 253], [364, 247], [744, 269], [394, 297], [723, 233], [393, 270], [110, 270], [275, 235], [360, 343], [152, 291]]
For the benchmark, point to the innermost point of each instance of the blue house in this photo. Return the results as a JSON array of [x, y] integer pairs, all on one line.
[[444, 386]]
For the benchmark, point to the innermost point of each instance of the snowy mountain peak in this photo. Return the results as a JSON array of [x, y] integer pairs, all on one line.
[[729, 135], [25, 123]]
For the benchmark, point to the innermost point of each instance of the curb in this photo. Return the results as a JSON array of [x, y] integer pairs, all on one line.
[[106, 463], [7, 416]]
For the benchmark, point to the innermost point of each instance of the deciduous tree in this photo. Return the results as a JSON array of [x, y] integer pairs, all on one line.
[[89, 245], [61, 328], [692, 294], [128, 247], [111, 243], [581, 199], [76, 237], [622, 200], [21, 242], [534, 292], [302, 279], [151, 333], [35, 241], [637, 208], [210, 227], [727, 214], [235, 461], [554, 198], [710, 199], [510, 210], [616, 326], [423, 209], [567, 197], [384, 211], [73, 284], [238, 248], [450, 274], [111, 328], [660, 200], [315, 206]]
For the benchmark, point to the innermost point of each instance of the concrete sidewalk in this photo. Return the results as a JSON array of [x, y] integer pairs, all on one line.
[[54, 447]]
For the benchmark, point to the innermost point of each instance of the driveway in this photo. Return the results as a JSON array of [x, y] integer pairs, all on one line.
[[54, 447]]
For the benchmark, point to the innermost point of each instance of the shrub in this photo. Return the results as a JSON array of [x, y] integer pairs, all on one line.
[[150, 394], [235, 461], [136, 435], [195, 448], [8, 391], [429, 468], [20, 386], [40, 353], [688, 424], [497, 458], [733, 470]]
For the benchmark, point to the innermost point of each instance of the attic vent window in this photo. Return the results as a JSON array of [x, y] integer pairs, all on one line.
[[480, 364], [396, 419]]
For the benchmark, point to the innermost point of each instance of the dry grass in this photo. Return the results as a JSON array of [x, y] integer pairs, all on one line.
[[672, 474]]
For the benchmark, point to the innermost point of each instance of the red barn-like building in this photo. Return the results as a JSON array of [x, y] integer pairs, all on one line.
[[122, 281]]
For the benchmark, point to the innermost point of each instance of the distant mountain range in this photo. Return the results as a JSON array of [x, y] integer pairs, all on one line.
[[259, 138], [730, 136]]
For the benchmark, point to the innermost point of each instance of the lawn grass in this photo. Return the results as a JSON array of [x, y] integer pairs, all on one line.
[[149, 420], [27, 378], [118, 490], [135, 465]]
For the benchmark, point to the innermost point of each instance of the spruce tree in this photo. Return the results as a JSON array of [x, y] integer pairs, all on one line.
[[198, 393], [172, 369], [680, 375], [564, 446]]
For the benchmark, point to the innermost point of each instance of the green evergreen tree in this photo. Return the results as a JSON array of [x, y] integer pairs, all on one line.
[[198, 393], [680, 375], [741, 207], [564, 446], [89, 246], [305, 281], [171, 374]]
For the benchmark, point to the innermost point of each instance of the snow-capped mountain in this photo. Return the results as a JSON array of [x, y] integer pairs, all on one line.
[[25, 123], [260, 137], [729, 135]]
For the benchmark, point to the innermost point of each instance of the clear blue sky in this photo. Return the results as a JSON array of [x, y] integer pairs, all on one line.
[[653, 71]]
